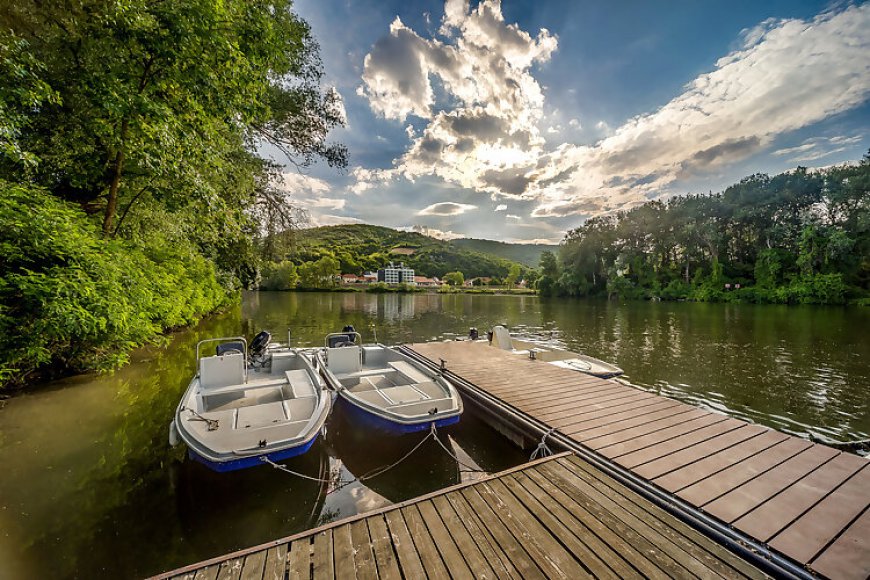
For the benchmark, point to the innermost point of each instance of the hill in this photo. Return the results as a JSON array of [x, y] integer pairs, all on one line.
[[365, 247], [527, 254]]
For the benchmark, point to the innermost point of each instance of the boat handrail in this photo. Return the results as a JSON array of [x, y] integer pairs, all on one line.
[[225, 339], [348, 333]]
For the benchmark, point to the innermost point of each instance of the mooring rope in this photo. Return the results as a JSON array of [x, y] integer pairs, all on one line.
[[211, 424], [542, 450], [340, 483]]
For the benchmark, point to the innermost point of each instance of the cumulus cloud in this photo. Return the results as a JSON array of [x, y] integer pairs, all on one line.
[[446, 235], [818, 148], [501, 207], [484, 123], [446, 208]]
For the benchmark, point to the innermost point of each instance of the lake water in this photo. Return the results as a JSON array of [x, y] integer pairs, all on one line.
[[91, 488]]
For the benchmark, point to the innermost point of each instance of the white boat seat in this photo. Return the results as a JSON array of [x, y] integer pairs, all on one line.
[[221, 371], [406, 369], [365, 373], [346, 359], [403, 394], [501, 338], [300, 409], [300, 383], [208, 392]]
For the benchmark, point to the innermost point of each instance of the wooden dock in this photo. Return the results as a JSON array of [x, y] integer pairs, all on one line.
[[803, 500], [552, 518]]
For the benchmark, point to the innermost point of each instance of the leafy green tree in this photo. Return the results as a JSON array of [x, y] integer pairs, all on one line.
[[513, 275], [454, 278], [279, 276]]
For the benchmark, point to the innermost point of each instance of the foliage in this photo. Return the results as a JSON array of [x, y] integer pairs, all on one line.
[[321, 273], [454, 278], [279, 276], [140, 122], [360, 247], [798, 237], [71, 299]]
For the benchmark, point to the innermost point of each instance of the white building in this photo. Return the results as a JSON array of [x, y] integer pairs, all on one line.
[[396, 275]]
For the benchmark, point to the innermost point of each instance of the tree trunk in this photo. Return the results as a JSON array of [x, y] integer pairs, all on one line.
[[117, 171]]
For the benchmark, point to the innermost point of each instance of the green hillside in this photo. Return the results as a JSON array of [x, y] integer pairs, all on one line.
[[362, 247], [527, 254]]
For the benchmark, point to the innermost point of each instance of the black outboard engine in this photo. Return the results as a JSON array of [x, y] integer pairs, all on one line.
[[339, 340], [489, 336], [260, 343], [473, 334]]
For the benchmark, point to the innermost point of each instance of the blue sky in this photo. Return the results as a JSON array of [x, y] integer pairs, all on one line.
[[519, 120]]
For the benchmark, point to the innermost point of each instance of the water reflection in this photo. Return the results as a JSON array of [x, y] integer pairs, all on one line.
[[90, 480]]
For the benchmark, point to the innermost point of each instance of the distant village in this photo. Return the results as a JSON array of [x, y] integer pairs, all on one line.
[[400, 274]]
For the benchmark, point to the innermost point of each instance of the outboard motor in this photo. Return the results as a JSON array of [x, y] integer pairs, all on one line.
[[489, 336], [260, 343], [348, 339], [473, 334]]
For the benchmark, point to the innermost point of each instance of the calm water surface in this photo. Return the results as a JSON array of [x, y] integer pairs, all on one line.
[[90, 487]]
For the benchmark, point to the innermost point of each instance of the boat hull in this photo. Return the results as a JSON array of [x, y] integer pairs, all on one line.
[[385, 425], [253, 460]]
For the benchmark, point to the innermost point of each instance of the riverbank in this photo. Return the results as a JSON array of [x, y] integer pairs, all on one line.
[[406, 289]]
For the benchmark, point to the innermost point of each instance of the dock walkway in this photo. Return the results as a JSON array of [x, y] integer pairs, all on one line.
[[551, 518], [804, 500]]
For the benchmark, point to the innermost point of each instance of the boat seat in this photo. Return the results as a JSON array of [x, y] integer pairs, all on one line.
[[222, 371], [501, 338], [300, 383], [342, 360], [402, 394], [431, 389], [243, 386], [407, 370], [260, 415], [366, 373], [373, 397], [300, 409]]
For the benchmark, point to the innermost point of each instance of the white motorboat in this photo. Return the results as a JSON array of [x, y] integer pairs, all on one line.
[[560, 357], [247, 405], [387, 389]]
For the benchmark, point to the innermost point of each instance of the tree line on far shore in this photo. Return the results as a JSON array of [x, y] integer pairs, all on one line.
[[797, 237]]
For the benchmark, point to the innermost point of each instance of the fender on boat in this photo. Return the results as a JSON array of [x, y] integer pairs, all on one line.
[[173, 434]]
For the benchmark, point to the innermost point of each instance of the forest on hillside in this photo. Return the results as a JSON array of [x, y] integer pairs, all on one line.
[[797, 237], [361, 247]]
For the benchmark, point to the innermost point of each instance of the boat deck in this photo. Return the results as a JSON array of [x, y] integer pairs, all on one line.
[[552, 518], [804, 500]]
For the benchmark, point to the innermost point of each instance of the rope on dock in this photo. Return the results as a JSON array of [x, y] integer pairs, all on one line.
[[542, 450]]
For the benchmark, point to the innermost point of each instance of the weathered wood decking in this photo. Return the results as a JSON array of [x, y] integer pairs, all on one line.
[[553, 518], [804, 500]]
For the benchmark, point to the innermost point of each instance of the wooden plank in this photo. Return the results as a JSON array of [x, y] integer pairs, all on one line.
[[668, 463], [776, 513], [254, 565], [206, 573], [557, 400], [605, 418], [404, 545], [230, 569], [721, 483], [739, 501], [468, 545], [525, 562], [817, 527], [649, 560], [363, 554], [582, 433], [385, 558], [450, 553], [599, 558], [556, 561], [636, 438], [712, 555], [848, 558], [275, 567], [299, 558], [429, 555], [322, 558], [342, 544], [712, 464], [674, 444], [486, 542], [620, 401]]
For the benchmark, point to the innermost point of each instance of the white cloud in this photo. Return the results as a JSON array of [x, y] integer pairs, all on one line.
[[817, 148], [446, 235], [511, 216], [446, 208], [301, 184], [486, 133], [333, 220], [501, 207]]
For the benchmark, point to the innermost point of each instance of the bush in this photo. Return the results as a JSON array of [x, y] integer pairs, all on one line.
[[279, 276], [72, 300]]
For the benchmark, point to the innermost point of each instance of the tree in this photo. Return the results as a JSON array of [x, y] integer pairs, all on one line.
[[165, 101], [513, 276], [454, 278]]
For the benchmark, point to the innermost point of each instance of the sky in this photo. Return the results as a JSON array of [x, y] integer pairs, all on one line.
[[519, 120]]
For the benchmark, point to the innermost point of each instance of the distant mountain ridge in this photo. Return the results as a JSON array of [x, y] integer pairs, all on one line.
[[366, 247], [526, 254]]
